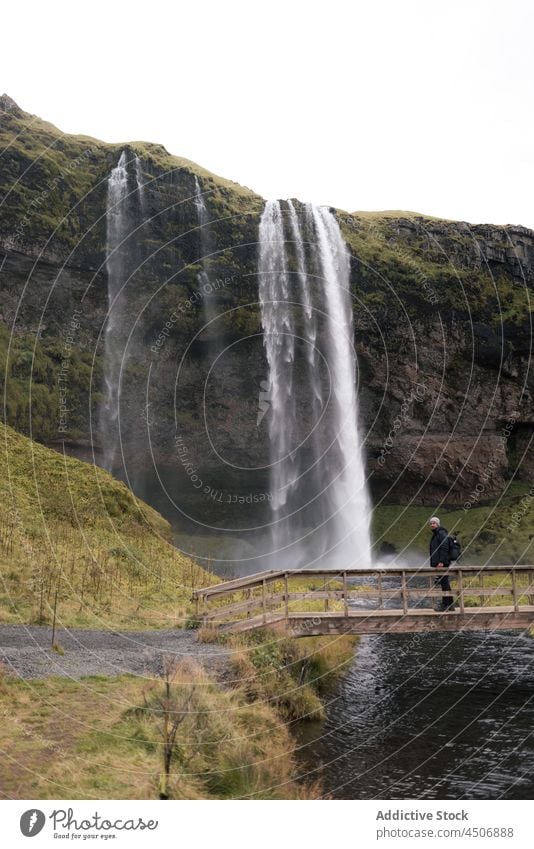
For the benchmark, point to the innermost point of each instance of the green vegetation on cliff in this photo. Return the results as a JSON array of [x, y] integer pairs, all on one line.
[[428, 264], [53, 184], [447, 304], [31, 369], [53, 195]]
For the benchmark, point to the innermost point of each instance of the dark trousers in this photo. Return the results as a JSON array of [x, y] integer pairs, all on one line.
[[445, 585]]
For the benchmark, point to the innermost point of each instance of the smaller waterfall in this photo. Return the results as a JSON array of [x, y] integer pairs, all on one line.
[[204, 278], [140, 185], [200, 204], [116, 263]]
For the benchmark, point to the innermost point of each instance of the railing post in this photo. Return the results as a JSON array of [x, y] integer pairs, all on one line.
[[461, 590], [325, 590], [530, 585], [264, 600], [286, 595], [345, 600], [380, 598], [404, 592], [482, 598], [514, 590]]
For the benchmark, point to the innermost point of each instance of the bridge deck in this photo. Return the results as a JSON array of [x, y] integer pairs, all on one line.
[[389, 622], [377, 601]]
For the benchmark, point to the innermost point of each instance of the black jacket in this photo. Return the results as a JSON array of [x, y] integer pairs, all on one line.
[[439, 547]]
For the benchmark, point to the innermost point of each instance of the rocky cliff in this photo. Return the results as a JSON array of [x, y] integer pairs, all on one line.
[[442, 332]]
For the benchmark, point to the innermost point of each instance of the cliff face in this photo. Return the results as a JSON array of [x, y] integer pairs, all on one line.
[[443, 318], [442, 332]]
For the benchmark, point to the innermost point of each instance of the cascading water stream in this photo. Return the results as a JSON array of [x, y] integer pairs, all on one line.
[[123, 210], [349, 496], [205, 287], [140, 185], [116, 231], [320, 505], [309, 335], [279, 340]]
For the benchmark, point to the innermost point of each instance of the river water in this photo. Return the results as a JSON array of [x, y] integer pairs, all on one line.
[[425, 716]]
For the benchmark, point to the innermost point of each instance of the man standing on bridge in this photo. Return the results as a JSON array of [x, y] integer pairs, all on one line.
[[440, 559]]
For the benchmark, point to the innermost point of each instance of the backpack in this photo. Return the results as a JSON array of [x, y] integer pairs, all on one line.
[[455, 549]]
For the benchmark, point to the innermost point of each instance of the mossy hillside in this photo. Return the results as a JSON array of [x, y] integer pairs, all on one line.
[[53, 184], [73, 537], [390, 256], [53, 207], [101, 738], [431, 265], [46, 173]]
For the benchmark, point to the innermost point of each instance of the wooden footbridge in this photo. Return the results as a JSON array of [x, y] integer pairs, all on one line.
[[374, 601]]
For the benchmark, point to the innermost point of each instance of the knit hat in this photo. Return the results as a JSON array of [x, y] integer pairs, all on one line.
[[436, 520]]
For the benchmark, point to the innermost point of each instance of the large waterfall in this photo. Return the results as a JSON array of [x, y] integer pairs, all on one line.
[[124, 203], [320, 504]]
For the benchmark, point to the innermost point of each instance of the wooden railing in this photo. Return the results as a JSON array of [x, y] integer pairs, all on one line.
[[273, 596]]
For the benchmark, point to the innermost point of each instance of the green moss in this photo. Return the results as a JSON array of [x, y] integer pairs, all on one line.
[[30, 370]]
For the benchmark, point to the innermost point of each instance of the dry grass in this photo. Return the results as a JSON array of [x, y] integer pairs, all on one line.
[[102, 738], [289, 674]]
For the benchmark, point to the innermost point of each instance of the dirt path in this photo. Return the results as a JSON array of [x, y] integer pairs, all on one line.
[[25, 650]]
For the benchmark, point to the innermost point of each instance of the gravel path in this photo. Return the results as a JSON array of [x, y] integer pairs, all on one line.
[[26, 651]]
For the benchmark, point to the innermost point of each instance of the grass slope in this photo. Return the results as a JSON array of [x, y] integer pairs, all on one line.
[[68, 529]]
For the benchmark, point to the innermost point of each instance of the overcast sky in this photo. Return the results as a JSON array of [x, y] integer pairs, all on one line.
[[423, 106]]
